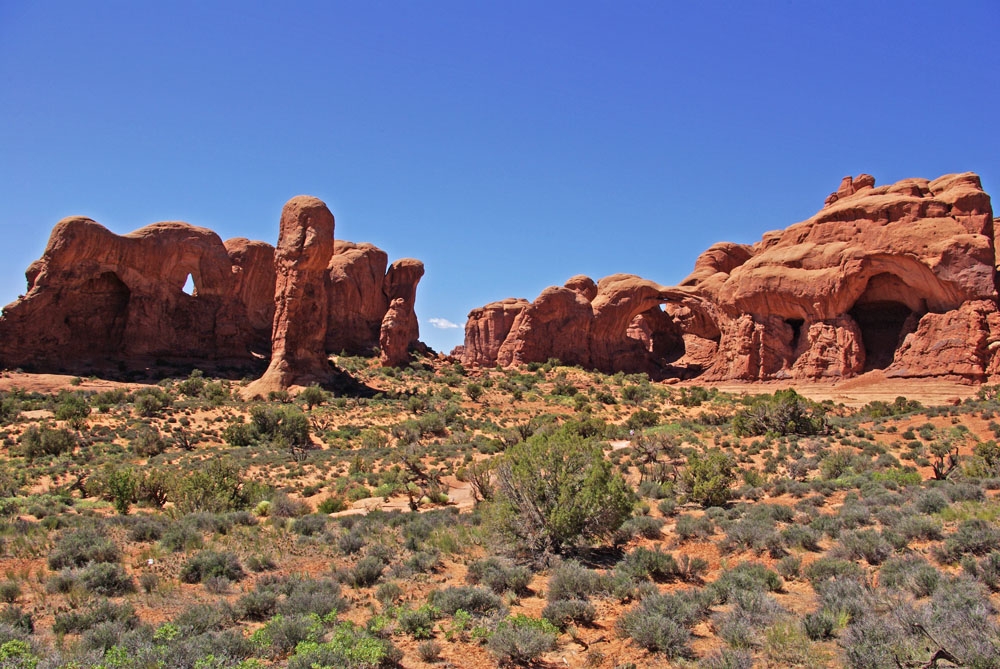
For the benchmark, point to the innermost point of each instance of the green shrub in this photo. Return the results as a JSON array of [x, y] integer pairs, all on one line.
[[563, 612], [553, 490], [349, 647], [660, 623], [366, 572], [418, 623], [786, 412], [38, 441], [474, 600], [689, 526], [708, 477], [571, 580]]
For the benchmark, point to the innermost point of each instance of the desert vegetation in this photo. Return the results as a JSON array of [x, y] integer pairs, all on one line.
[[544, 516]]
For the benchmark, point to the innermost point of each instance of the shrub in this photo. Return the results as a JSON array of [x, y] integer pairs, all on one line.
[[366, 572], [552, 490], [828, 568], [689, 526], [571, 580], [216, 487], [39, 441], [258, 605], [745, 577], [867, 544], [418, 623], [310, 525], [708, 477], [974, 536], [562, 612], [77, 548], [313, 596], [9, 591], [146, 528], [350, 647], [660, 622], [522, 640], [181, 536], [642, 526], [208, 563], [107, 579], [821, 625], [786, 412], [643, 563], [499, 576], [474, 600], [741, 627]]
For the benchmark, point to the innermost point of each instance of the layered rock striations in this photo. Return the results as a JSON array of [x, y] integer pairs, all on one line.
[[900, 278], [101, 302]]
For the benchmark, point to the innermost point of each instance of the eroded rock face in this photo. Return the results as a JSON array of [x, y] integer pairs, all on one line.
[[900, 277], [397, 333], [100, 302]]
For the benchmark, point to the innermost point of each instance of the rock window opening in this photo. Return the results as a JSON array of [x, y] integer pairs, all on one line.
[[189, 287]]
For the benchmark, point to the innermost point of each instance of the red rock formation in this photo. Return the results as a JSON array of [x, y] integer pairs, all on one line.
[[900, 277], [101, 302], [400, 329], [253, 270], [555, 325], [97, 300], [301, 298], [839, 292], [396, 335], [486, 329], [357, 299]]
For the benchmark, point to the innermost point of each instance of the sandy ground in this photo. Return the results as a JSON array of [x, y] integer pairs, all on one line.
[[860, 390]]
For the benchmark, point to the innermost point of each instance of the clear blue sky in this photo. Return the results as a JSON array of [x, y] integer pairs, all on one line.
[[509, 145]]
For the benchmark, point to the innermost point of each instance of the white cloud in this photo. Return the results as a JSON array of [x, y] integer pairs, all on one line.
[[442, 323]]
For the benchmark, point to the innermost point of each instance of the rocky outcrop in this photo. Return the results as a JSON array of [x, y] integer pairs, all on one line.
[[98, 302], [301, 298], [899, 277], [839, 293], [615, 324]]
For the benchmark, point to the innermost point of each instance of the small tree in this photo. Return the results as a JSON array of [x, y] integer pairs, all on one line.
[[555, 489], [312, 396], [709, 477]]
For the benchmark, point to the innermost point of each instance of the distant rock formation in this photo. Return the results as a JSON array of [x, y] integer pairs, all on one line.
[[98, 302], [900, 278]]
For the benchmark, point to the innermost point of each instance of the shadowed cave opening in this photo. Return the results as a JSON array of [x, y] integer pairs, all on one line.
[[104, 310], [796, 325], [881, 323]]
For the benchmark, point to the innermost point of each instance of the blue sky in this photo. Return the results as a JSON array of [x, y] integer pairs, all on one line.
[[509, 145]]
